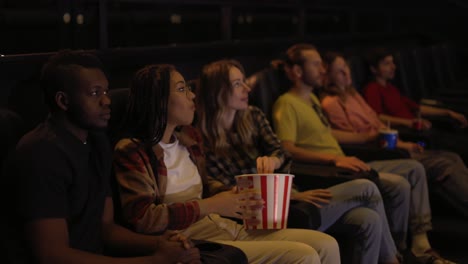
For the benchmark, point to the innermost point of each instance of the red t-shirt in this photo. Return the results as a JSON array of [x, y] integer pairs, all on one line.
[[389, 101]]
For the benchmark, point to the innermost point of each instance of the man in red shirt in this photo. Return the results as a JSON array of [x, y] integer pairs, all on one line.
[[390, 104], [399, 111]]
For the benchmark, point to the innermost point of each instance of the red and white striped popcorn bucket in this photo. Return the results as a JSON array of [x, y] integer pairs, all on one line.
[[275, 190]]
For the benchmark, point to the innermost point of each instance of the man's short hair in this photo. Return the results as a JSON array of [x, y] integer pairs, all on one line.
[[294, 53], [59, 73], [376, 55]]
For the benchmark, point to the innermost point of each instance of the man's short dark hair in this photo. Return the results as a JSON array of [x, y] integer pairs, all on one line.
[[376, 55], [294, 53], [60, 73]]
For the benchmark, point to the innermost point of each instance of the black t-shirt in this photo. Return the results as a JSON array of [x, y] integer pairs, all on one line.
[[58, 176]]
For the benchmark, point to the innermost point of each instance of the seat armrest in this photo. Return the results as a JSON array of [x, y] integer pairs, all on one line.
[[304, 215], [367, 152], [409, 134], [314, 176]]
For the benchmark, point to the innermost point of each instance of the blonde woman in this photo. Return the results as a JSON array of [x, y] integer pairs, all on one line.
[[239, 140]]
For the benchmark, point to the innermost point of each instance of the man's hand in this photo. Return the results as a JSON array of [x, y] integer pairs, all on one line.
[[459, 117], [351, 163], [426, 124], [420, 124], [178, 237], [175, 249], [411, 147], [317, 197]]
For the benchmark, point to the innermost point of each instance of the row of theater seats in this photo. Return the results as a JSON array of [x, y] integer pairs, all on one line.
[[24, 95], [19, 74], [435, 71], [267, 88], [306, 216], [24, 92], [315, 176]]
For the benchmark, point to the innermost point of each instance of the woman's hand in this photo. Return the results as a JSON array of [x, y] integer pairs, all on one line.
[[243, 205], [267, 164], [371, 136], [252, 204], [317, 197]]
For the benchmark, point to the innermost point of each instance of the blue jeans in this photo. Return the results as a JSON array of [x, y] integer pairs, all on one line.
[[406, 197], [448, 177], [356, 211]]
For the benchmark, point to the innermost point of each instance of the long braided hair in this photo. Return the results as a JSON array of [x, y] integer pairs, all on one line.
[[146, 115]]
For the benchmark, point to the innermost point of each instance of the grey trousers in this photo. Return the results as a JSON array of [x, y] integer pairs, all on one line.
[[447, 176], [406, 198], [356, 211]]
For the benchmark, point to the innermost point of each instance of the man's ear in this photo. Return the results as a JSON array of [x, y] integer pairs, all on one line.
[[297, 71], [61, 99], [373, 69]]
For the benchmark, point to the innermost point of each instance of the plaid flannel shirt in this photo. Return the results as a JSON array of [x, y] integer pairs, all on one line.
[[242, 158], [142, 192]]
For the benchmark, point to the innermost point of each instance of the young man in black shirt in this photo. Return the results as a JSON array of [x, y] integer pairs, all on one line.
[[63, 204]]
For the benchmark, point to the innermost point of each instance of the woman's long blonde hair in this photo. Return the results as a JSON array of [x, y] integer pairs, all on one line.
[[213, 94]]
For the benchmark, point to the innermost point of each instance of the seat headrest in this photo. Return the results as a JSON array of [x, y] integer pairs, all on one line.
[[12, 128], [119, 99], [266, 88]]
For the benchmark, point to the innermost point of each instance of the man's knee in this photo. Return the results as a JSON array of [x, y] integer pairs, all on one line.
[[365, 186], [452, 157], [416, 167], [395, 188], [370, 220], [393, 181], [367, 222], [412, 162]]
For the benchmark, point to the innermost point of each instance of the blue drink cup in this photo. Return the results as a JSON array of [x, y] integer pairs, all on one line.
[[388, 138]]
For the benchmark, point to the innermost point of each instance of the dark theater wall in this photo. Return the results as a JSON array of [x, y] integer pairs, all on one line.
[[127, 34], [28, 26]]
